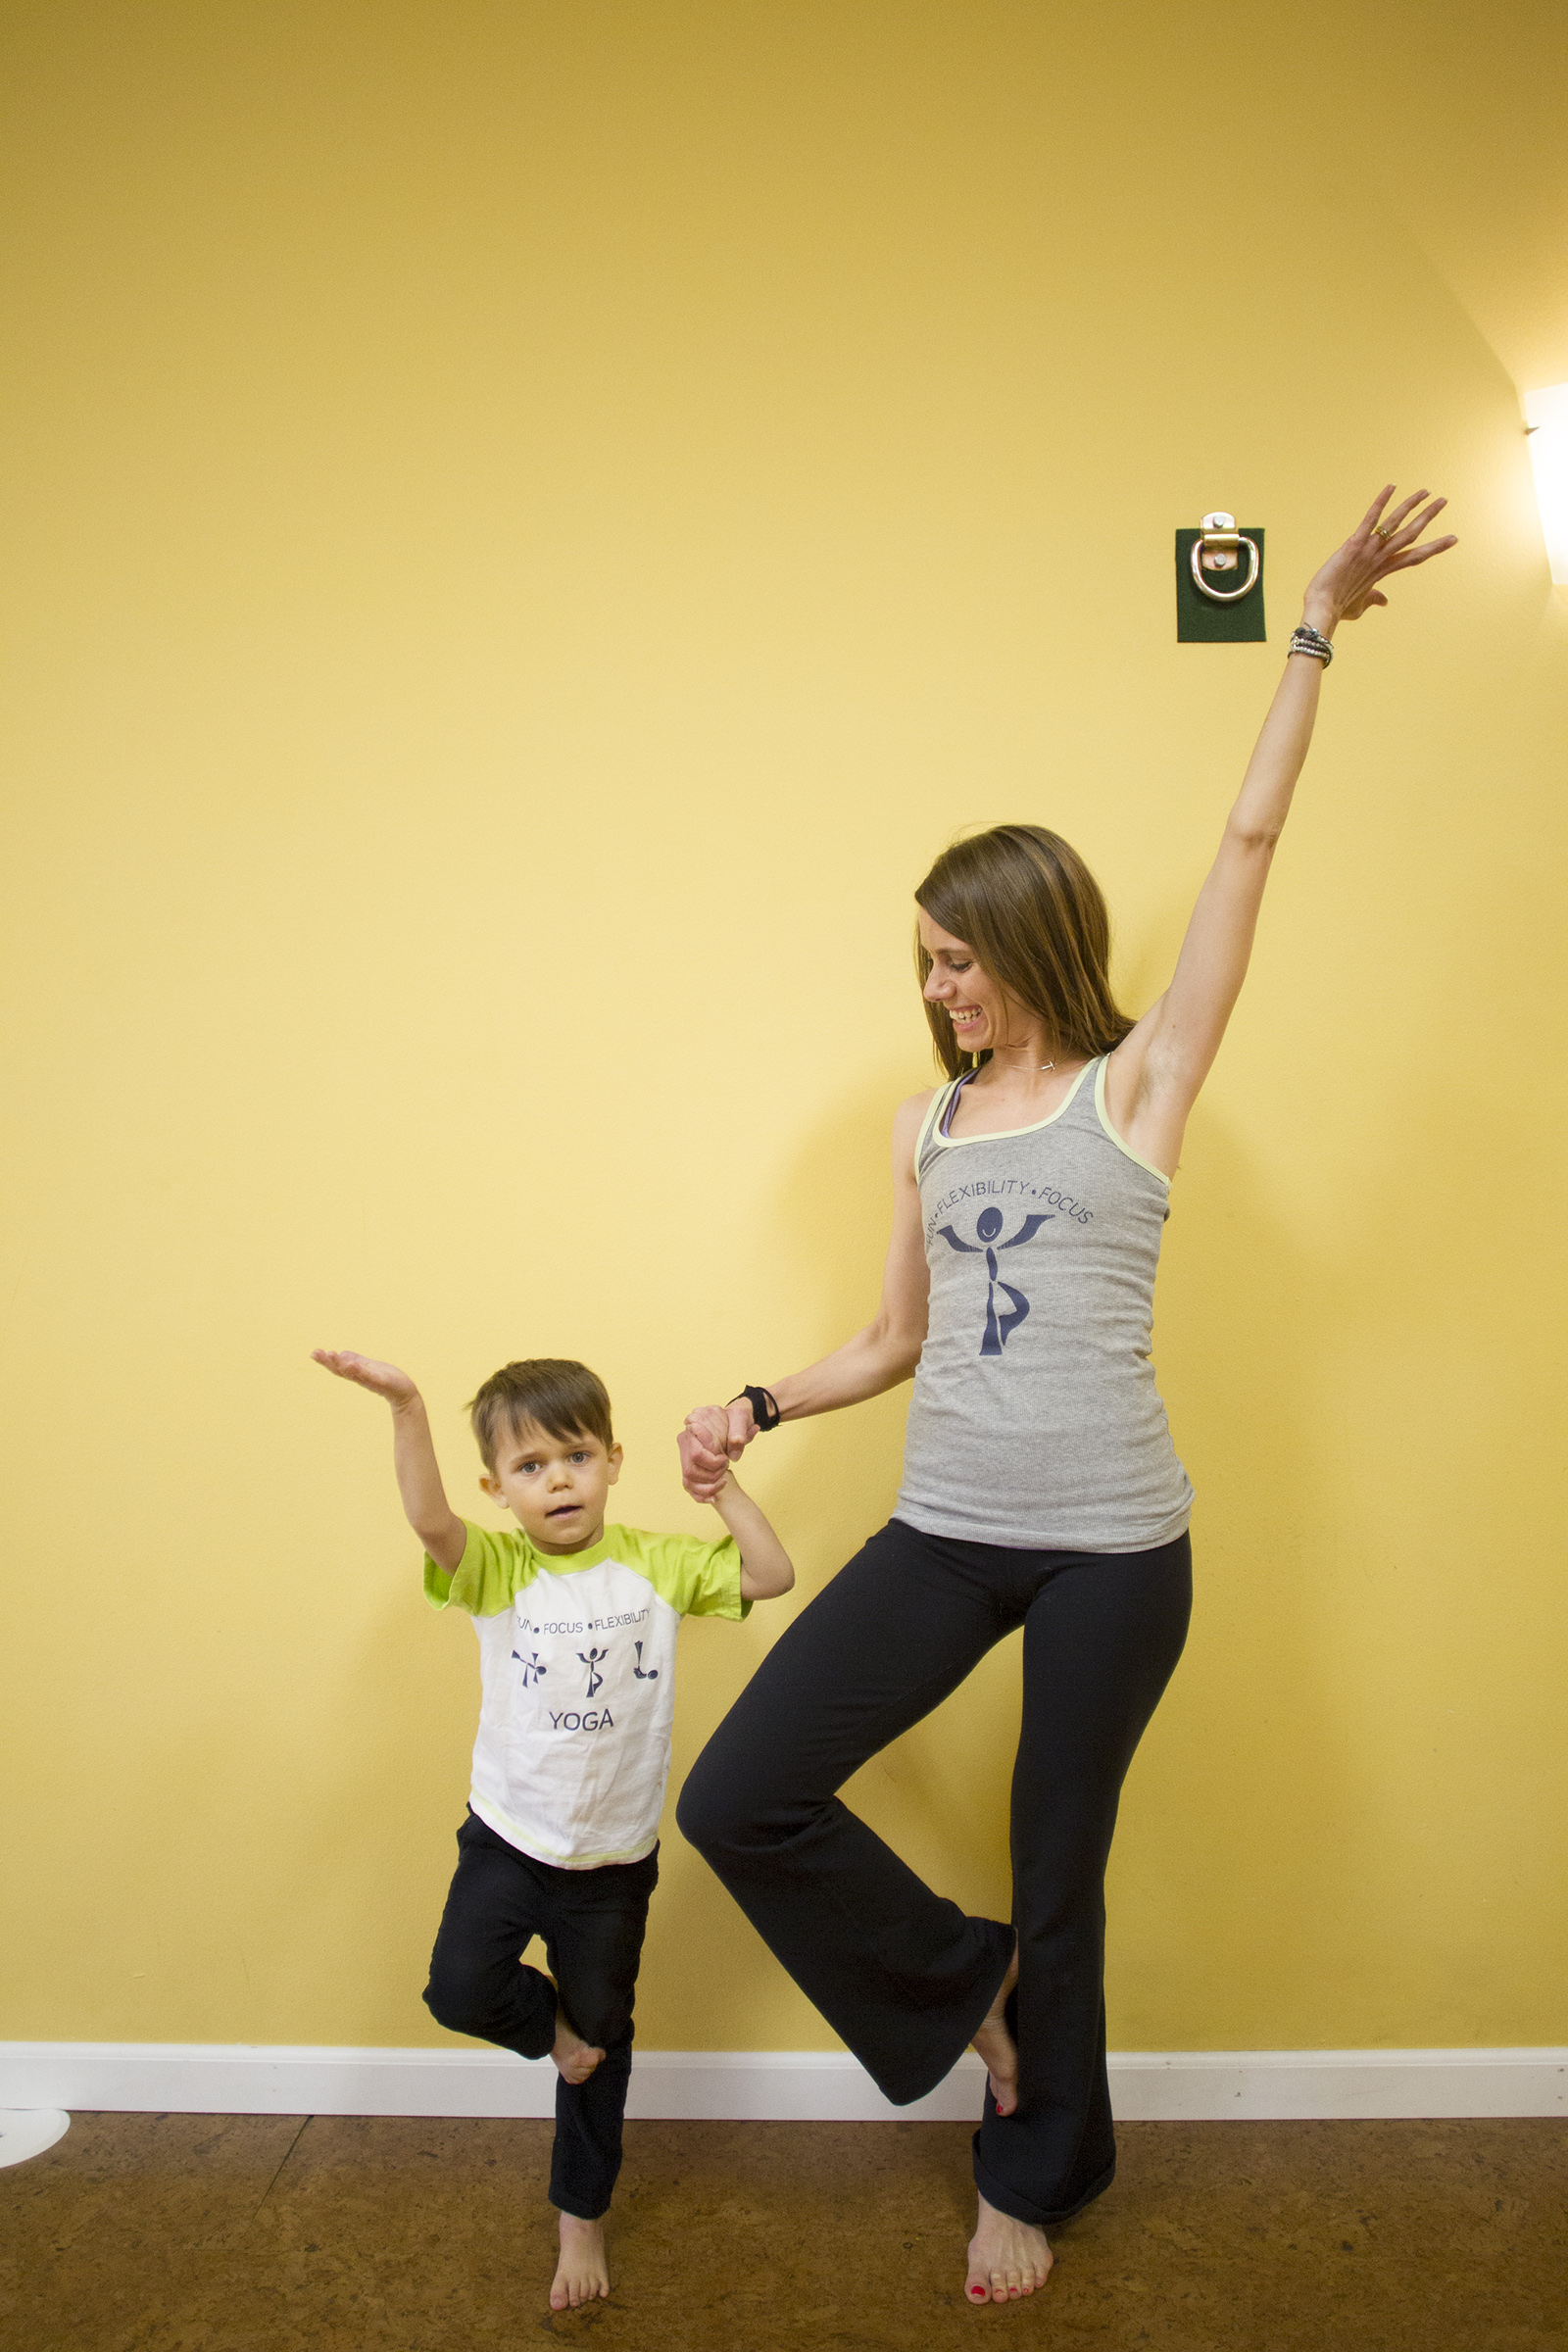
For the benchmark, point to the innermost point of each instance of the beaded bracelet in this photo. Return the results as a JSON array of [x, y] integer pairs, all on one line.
[[1307, 640]]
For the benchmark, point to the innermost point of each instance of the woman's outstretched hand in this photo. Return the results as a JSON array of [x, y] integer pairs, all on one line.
[[1349, 583], [715, 1436]]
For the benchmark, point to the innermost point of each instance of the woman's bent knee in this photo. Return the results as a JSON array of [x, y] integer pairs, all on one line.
[[699, 1808], [714, 1811]]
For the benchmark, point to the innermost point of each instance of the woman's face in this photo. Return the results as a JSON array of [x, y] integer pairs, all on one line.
[[983, 1014]]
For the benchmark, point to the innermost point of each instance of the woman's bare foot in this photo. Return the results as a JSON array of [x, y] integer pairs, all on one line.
[[1007, 2258], [575, 2057], [995, 2044], [583, 2271]]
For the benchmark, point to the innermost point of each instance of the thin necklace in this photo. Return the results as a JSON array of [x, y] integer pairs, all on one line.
[[1040, 1067]]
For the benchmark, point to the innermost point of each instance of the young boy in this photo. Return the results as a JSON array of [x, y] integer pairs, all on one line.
[[576, 1624]]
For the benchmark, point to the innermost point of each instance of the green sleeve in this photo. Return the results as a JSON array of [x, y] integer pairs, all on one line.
[[492, 1572], [700, 1580]]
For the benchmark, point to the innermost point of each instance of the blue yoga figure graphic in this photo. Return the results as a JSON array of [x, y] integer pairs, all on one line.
[[999, 1327]]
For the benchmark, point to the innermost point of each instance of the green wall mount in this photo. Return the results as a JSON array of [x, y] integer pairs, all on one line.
[[1232, 611]]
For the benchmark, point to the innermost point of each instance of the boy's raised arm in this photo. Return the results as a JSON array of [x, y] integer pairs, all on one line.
[[766, 1569], [418, 1475]]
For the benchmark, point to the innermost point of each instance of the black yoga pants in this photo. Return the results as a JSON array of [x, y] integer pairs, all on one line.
[[591, 1922], [901, 1973]]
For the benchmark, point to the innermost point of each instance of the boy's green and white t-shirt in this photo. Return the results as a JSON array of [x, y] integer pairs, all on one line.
[[577, 1673]]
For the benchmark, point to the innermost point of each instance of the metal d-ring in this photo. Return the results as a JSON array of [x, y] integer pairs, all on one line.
[[1219, 530]]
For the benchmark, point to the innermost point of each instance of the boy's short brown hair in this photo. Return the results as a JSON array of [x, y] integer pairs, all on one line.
[[561, 1397]]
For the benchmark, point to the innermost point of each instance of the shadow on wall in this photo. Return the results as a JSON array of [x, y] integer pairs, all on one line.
[[1359, 1417]]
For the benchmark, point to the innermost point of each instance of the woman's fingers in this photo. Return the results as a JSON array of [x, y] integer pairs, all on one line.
[[694, 1448], [1379, 549], [710, 1424], [715, 1436], [1374, 513], [1406, 507], [1379, 531], [1419, 555], [742, 1428], [1409, 533]]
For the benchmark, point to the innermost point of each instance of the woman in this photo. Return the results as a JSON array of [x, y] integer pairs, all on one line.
[[1040, 1488]]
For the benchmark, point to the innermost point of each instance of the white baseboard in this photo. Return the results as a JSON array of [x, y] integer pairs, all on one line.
[[787, 2085]]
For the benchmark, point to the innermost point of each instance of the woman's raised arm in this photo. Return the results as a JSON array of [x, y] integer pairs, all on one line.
[[1158, 1069], [878, 1357]]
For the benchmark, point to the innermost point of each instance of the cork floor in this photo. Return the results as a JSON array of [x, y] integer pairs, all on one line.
[[263, 2234]]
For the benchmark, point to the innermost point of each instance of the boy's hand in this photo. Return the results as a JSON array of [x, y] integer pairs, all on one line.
[[718, 1433], [382, 1380], [709, 1426], [703, 1458]]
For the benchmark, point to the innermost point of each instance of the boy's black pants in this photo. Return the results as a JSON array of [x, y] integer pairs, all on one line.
[[901, 1972], [591, 1922]]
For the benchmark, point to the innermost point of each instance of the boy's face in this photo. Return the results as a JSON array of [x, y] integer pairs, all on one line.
[[555, 1488]]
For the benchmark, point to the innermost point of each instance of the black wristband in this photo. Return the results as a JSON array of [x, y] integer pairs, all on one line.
[[765, 1407]]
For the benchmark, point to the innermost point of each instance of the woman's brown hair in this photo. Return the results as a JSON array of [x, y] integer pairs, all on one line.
[[1034, 914]]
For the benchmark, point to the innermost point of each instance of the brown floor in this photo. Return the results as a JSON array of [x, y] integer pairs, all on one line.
[[263, 2234]]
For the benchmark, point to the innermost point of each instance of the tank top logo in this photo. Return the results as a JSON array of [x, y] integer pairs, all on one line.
[[1000, 1328]]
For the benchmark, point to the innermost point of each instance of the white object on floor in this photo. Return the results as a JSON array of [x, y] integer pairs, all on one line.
[[800, 2085], [27, 2130]]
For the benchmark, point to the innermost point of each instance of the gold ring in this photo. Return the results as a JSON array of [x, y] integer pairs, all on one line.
[[1382, 531]]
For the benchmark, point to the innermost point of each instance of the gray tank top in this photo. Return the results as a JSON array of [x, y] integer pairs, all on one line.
[[1035, 1419]]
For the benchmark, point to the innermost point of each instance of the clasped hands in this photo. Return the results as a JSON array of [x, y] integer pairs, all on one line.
[[715, 1436]]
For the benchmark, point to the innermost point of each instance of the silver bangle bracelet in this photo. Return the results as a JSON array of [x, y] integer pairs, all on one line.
[[1306, 640]]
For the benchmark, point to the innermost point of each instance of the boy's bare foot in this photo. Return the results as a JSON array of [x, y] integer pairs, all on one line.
[[995, 2044], [583, 2271], [1007, 2258], [576, 2059]]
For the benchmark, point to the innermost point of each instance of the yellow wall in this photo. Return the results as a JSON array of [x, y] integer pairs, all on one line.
[[528, 526]]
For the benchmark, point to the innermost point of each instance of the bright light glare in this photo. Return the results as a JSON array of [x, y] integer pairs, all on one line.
[[1547, 411]]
